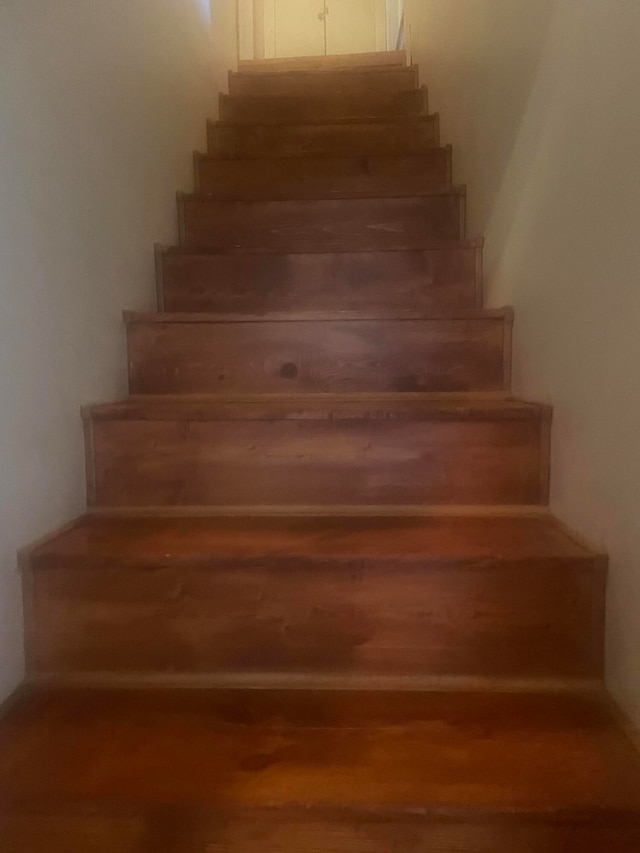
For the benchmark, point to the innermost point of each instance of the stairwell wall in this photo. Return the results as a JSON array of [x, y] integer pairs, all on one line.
[[540, 99], [101, 104]]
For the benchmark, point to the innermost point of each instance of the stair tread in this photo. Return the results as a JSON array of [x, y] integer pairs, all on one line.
[[403, 405], [313, 316], [313, 98], [141, 540], [202, 155], [332, 61], [327, 122], [329, 72], [553, 756], [211, 198], [434, 245]]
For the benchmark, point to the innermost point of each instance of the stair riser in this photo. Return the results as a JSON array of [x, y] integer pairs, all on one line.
[[388, 80], [531, 619], [432, 281], [318, 356], [286, 109], [325, 177], [338, 140], [325, 462], [323, 225]]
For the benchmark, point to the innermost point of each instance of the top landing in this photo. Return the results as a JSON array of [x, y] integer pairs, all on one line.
[[346, 61]]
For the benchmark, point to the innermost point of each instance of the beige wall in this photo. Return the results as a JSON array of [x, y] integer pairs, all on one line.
[[101, 104], [540, 98]]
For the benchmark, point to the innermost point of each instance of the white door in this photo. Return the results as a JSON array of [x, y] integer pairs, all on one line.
[[299, 28], [351, 26], [318, 27]]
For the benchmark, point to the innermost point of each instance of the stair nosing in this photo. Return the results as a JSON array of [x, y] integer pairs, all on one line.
[[364, 69], [338, 681], [435, 246], [282, 317], [395, 407], [326, 96], [458, 190], [205, 155], [391, 121]]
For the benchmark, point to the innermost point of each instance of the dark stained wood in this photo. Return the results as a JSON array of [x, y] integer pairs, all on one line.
[[287, 832], [549, 758], [324, 177], [205, 353], [147, 542], [323, 224], [184, 829], [488, 597], [352, 138], [357, 81], [72, 830], [435, 280], [319, 451], [288, 109], [193, 829]]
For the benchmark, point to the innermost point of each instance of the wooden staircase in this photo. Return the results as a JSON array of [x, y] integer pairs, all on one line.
[[318, 602]]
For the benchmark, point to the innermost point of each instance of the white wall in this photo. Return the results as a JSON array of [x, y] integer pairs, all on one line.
[[540, 98], [101, 104]]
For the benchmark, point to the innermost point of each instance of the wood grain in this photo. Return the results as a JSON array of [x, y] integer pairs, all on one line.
[[288, 109], [324, 225], [426, 597], [324, 177], [200, 353], [415, 756], [357, 81], [146, 541], [28, 829], [318, 452], [435, 280], [352, 138]]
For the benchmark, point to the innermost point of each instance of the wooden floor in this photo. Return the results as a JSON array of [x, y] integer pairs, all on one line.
[[318, 603], [133, 765]]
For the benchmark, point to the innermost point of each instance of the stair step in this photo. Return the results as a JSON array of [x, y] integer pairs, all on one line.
[[349, 138], [292, 109], [349, 598], [323, 63], [320, 450], [438, 279], [316, 352], [324, 177], [347, 81], [358, 224], [341, 772]]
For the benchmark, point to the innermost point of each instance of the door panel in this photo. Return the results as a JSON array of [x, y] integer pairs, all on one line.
[[351, 26], [298, 30]]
